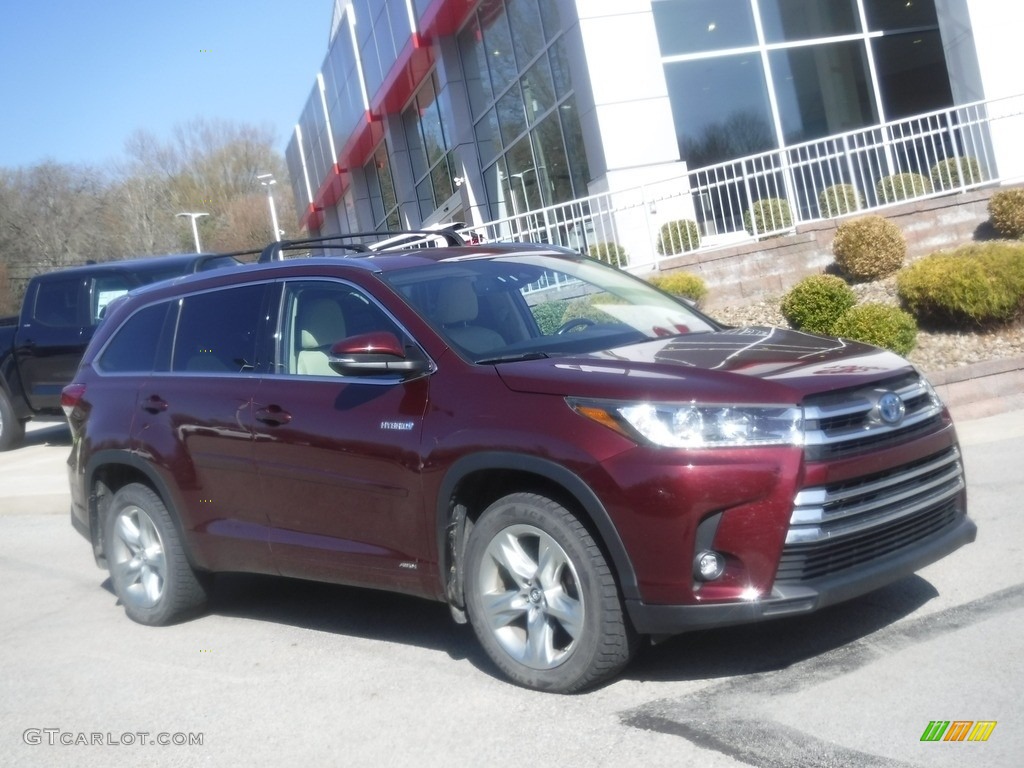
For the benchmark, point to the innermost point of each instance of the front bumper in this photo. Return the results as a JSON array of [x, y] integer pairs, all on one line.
[[792, 599]]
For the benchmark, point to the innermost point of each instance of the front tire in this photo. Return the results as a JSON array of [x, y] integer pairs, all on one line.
[[149, 571], [541, 597]]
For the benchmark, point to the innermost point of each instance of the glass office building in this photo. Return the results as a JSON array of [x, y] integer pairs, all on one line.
[[428, 111]]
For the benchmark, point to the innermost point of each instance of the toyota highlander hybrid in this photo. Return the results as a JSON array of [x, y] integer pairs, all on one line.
[[570, 459]]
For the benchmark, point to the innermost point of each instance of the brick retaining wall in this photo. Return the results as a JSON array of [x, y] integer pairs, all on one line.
[[752, 271]]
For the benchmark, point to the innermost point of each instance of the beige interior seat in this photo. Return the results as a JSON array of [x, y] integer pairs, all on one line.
[[457, 309], [321, 324]]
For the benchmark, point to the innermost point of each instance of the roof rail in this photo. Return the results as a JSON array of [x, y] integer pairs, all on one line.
[[401, 239], [205, 258]]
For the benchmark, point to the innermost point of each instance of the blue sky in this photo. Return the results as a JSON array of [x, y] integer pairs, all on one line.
[[79, 76]]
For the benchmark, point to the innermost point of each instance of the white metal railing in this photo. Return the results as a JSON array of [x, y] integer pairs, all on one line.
[[926, 155]]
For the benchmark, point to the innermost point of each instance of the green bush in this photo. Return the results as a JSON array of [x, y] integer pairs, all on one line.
[[609, 253], [902, 186], [869, 247], [678, 236], [981, 284], [768, 215], [1006, 210], [955, 172], [681, 284], [839, 199], [879, 324], [816, 302]]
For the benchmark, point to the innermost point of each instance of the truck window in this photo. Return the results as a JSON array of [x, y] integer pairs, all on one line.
[[56, 303], [105, 290]]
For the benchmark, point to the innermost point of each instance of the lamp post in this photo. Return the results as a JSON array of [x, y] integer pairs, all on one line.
[[195, 229], [268, 180]]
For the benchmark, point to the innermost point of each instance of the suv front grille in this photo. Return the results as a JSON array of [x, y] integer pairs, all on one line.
[[847, 423], [839, 526]]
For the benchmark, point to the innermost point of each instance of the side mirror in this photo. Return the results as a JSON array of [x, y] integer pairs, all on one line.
[[375, 354]]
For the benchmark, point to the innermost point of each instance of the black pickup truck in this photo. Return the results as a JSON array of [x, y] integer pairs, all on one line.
[[40, 349]]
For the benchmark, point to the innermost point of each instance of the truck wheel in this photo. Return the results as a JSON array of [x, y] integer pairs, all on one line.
[[12, 430], [541, 598], [150, 573]]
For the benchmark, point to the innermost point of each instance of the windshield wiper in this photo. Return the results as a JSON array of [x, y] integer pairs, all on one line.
[[513, 358]]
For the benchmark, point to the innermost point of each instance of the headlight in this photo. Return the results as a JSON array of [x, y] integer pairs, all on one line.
[[696, 425]]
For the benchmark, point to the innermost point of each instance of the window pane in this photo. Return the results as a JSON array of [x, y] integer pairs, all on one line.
[[553, 180], [549, 15], [912, 74], [522, 172], [900, 14], [538, 90], [425, 197], [441, 180], [511, 118], [474, 64], [692, 26], [822, 90], [560, 68], [576, 154], [217, 331], [134, 348], [487, 139], [498, 45], [720, 107], [417, 153], [57, 303], [525, 22], [785, 20]]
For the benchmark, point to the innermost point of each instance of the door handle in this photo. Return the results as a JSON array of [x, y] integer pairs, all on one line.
[[273, 415], [154, 404]]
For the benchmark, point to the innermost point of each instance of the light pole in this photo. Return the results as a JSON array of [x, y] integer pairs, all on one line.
[[195, 229], [268, 180]]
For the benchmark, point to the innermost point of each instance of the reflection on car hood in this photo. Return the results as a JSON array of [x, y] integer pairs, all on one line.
[[718, 366]]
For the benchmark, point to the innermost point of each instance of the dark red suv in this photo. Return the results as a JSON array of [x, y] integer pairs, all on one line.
[[566, 456]]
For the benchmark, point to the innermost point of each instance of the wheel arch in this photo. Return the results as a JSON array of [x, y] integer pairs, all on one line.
[[107, 472], [475, 481]]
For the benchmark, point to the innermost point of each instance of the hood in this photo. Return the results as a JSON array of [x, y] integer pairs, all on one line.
[[766, 365]]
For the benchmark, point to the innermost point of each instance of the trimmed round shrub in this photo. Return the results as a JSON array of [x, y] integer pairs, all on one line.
[[768, 215], [816, 302], [869, 247], [981, 284], [678, 236], [681, 284], [839, 199], [902, 186], [1006, 210], [609, 253], [879, 324], [956, 172]]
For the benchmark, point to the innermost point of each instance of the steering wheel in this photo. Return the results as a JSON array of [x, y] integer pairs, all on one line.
[[579, 322]]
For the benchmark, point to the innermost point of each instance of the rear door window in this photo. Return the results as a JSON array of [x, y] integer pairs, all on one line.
[[218, 331]]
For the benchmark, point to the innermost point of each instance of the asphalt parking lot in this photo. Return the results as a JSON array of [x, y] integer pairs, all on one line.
[[285, 673]]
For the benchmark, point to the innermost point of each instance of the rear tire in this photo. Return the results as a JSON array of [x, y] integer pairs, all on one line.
[[150, 573], [12, 429], [541, 597]]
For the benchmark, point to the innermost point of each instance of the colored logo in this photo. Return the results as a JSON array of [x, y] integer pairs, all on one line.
[[958, 730], [891, 408]]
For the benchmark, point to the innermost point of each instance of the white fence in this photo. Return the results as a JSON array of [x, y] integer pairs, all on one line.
[[770, 193]]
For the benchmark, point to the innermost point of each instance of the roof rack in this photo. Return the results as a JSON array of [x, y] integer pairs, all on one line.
[[394, 240]]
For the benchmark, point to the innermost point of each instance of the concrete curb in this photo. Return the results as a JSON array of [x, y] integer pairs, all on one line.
[[982, 389]]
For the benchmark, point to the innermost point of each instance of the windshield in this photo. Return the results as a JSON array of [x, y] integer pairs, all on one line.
[[508, 308]]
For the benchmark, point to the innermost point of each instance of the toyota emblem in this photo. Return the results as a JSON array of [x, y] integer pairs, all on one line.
[[891, 408]]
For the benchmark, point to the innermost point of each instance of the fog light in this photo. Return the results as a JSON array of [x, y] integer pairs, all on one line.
[[708, 565]]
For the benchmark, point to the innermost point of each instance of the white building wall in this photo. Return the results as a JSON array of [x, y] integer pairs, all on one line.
[[995, 27], [634, 118]]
